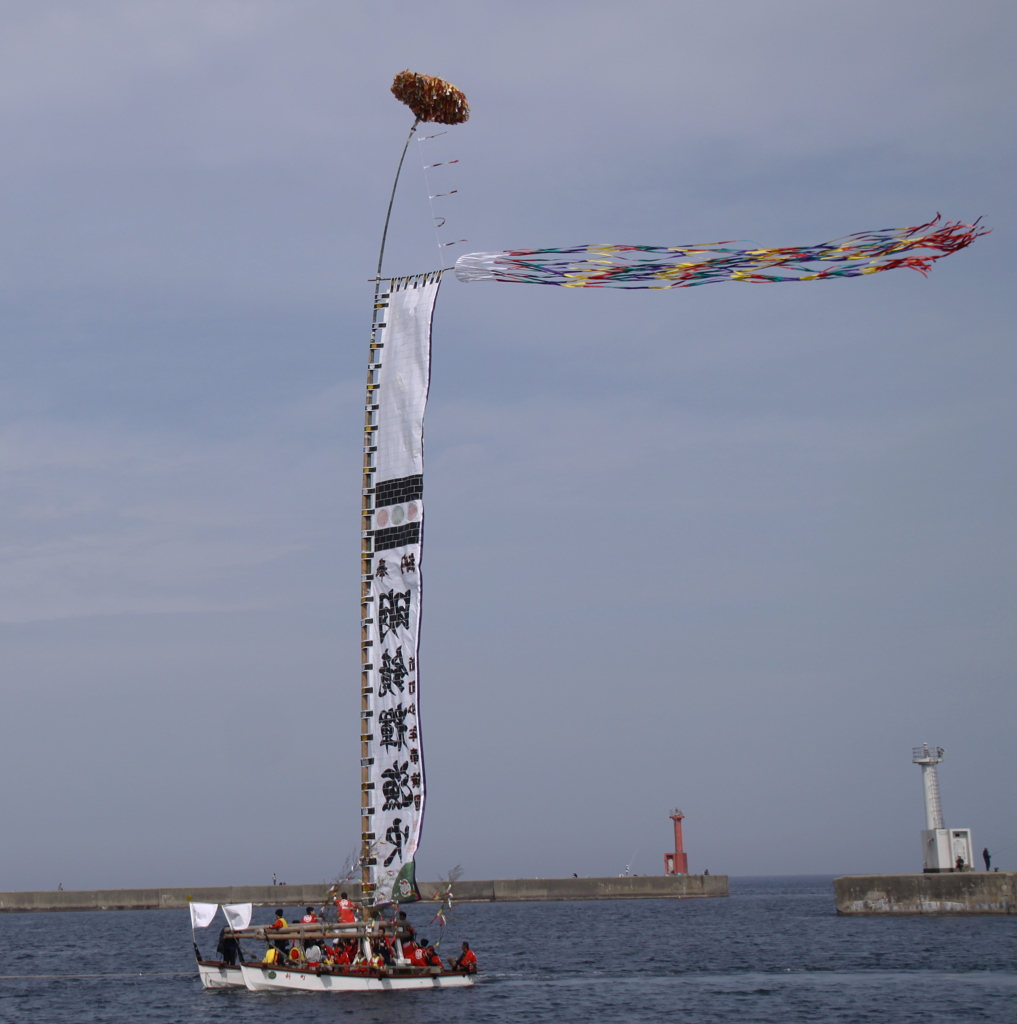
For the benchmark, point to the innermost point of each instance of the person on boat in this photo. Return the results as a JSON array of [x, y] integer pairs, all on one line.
[[405, 931], [280, 922], [228, 946], [418, 956], [377, 961], [433, 960], [344, 953], [310, 917], [389, 929], [312, 953], [296, 953], [347, 909], [272, 956], [466, 961]]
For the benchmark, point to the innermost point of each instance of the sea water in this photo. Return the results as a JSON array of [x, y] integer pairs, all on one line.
[[774, 951]]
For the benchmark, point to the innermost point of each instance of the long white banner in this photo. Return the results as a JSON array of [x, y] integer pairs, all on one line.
[[399, 376]]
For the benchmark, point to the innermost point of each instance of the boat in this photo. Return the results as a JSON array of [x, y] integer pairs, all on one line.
[[365, 972], [359, 976], [219, 974], [391, 754], [259, 979]]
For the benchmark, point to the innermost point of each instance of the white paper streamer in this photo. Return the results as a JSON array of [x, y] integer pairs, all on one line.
[[238, 914], [202, 914]]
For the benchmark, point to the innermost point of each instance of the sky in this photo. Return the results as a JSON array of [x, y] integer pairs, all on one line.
[[734, 549]]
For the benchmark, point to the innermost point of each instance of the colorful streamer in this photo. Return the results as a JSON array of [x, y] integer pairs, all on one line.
[[647, 266]]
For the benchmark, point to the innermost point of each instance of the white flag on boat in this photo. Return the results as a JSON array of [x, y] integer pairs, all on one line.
[[238, 914], [400, 377], [202, 914]]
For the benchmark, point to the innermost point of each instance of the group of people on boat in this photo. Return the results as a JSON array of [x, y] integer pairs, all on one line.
[[396, 936]]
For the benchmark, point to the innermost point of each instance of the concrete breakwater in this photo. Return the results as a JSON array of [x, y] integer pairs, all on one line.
[[535, 889], [498, 890], [964, 892]]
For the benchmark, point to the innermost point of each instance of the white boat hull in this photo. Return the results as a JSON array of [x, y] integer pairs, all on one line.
[[267, 978], [218, 975]]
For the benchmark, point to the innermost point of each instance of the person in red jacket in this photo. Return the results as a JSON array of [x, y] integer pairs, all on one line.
[[310, 917], [466, 961], [433, 960], [343, 953], [346, 908], [418, 958]]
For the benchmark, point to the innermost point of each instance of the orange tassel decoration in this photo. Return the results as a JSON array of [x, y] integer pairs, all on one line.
[[430, 98]]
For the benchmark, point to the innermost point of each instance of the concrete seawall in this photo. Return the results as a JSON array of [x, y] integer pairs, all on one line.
[[966, 892], [533, 889], [498, 890]]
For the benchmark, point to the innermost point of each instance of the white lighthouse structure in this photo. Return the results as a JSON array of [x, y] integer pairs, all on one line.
[[943, 849], [928, 757]]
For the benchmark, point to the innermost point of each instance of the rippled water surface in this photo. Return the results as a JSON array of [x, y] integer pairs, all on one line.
[[775, 951]]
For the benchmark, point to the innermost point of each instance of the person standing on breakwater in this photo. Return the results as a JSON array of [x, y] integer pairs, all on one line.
[[987, 857]]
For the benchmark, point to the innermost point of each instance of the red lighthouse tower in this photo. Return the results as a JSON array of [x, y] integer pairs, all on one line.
[[676, 863]]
